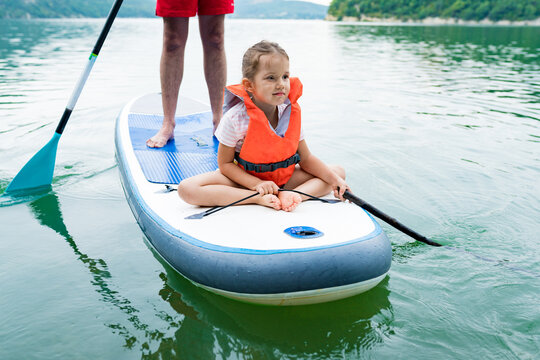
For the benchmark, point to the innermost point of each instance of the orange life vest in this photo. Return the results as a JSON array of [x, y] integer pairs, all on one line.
[[265, 154]]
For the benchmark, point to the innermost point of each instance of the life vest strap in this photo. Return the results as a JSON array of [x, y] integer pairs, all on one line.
[[260, 168]]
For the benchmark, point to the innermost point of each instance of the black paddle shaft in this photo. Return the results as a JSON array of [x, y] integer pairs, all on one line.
[[107, 26], [388, 219], [393, 222]]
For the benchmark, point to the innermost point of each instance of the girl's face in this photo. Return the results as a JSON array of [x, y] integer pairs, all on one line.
[[270, 85]]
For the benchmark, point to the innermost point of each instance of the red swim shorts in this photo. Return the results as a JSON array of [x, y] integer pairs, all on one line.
[[189, 8]]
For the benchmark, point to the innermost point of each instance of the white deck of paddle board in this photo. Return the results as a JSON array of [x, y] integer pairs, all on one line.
[[251, 227]]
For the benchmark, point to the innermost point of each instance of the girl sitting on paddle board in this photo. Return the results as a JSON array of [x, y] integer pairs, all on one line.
[[261, 143]]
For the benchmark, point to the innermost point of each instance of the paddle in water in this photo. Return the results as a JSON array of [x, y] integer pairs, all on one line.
[[37, 174], [388, 219], [399, 226]]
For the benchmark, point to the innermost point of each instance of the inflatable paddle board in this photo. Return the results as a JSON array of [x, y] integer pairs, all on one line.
[[319, 252]]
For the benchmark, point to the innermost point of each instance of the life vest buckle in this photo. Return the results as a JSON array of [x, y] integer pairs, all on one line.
[[260, 168]]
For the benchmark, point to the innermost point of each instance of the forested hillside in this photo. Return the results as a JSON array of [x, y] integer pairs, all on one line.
[[278, 9], [494, 10], [258, 9], [73, 8]]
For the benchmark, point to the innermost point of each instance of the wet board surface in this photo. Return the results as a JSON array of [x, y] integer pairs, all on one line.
[[192, 151]]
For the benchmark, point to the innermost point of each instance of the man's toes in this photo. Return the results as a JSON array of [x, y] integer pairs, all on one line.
[[156, 142]]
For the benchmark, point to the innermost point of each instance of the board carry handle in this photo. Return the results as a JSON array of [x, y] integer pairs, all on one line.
[[218, 208]]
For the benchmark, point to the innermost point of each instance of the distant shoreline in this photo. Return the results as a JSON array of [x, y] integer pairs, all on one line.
[[433, 21], [346, 19]]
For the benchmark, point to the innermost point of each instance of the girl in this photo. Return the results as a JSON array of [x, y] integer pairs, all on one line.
[[261, 144]]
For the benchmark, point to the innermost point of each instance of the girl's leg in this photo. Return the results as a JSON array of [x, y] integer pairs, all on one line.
[[215, 189], [306, 183]]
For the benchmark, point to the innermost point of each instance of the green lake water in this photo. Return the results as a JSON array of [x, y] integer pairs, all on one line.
[[438, 126]]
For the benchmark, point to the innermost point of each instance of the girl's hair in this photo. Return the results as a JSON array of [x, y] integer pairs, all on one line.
[[250, 62]]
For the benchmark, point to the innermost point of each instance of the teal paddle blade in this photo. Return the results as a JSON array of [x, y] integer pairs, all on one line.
[[37, 174]]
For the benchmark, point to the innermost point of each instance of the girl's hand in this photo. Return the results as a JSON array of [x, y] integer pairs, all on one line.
[[266, 187], [339, 189]]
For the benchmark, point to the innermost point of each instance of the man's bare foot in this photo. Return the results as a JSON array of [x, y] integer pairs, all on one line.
[[270, 200], [162, 137], [289, 200]]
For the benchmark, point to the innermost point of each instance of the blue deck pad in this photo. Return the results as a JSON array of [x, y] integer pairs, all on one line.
[[192, 151]]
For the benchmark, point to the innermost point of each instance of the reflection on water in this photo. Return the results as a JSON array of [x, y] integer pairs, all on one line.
[[20, 40], [351, 326], [459, 43], [501, 62], [207, 326], [25, 45], [47, 211]]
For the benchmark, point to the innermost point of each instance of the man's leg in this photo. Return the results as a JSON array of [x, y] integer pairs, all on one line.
[[212, 29], [175, 33]]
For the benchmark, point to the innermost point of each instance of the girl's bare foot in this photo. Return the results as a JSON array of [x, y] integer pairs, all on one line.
[[289, 200], [162, 137], [270, 200]]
